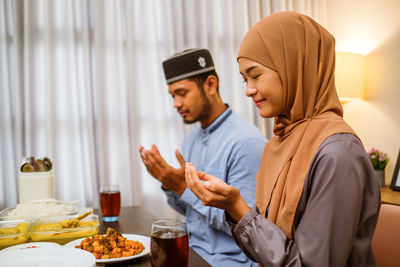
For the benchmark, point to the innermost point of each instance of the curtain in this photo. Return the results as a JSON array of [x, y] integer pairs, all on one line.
[[81, 82]]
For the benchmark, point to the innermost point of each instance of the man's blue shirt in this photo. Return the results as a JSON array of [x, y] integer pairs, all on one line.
[[230, 149]]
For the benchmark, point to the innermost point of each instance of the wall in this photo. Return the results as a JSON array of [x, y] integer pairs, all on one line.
[[372, 28]]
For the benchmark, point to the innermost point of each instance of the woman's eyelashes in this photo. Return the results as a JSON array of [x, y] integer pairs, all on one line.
[[254, 77]]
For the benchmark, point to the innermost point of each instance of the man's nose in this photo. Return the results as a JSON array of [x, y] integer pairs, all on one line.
[[177, 102]]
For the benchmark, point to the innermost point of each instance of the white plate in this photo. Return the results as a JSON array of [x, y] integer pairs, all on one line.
[[31, 245], [47, 257], [145, 240]]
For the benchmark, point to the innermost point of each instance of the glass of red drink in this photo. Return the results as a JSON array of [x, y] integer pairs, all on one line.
[[110, 202], [169, 245]]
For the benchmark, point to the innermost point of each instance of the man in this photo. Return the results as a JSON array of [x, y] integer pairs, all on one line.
[[224, 145]]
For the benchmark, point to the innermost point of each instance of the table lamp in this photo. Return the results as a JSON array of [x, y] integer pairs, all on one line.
[[349, 76]]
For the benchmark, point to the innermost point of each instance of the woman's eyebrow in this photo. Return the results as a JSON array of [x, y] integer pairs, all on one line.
[[249, 69]]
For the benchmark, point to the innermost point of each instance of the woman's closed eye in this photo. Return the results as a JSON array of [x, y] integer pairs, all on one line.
[[254, 77]]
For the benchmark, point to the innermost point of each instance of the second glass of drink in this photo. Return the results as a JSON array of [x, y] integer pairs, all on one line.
[[169, 245], [110, 202]]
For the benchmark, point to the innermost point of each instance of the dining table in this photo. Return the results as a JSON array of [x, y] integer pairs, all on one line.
[[137, 220]]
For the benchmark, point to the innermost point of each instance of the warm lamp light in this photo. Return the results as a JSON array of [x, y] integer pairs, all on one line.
[[349, 76]]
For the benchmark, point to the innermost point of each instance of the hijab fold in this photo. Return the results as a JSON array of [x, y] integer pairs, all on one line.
[[302, 52]]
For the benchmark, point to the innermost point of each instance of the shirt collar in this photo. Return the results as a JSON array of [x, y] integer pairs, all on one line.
[[213, 126]]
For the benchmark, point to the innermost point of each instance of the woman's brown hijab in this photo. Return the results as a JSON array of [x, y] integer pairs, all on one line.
[[303, 54]]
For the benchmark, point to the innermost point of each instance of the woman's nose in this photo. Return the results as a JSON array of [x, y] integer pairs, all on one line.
[[250, 91]]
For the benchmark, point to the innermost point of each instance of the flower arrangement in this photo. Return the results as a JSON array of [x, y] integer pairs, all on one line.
[[378, 159]]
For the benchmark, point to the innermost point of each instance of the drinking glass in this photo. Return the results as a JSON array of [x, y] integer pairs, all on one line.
[[169, 245], [110, 202]]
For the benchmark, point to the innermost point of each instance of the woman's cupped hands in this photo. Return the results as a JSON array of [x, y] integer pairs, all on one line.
[[214, 192]]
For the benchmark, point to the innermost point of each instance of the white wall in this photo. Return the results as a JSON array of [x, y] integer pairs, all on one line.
[[372, 28]]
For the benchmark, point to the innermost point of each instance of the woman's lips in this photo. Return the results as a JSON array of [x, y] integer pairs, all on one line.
[[259, 102]]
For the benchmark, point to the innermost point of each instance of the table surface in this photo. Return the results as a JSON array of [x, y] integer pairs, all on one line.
[[137, 220], [390, 196]]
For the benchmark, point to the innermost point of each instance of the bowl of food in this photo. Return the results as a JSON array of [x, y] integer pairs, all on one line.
[[14, 232], [64, 229]]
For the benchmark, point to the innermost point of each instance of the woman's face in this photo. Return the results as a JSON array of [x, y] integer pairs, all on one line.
[[264, 86]]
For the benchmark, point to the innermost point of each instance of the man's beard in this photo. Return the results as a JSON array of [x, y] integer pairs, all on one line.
[[205, 110]]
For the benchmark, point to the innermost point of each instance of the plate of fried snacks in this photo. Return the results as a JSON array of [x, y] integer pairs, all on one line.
[[114, 246]]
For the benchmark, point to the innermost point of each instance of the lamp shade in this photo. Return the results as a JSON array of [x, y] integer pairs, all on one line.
[[349, 76]]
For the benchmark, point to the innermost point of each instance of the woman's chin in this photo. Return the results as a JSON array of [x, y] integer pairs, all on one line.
[[265, 114]]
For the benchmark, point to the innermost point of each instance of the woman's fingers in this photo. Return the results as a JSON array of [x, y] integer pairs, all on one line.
[[217, 186], [192, 176], [193, 181], [206, 177], [211, 191], [189, 177], [180, 158], [210, 183], [213, 183]]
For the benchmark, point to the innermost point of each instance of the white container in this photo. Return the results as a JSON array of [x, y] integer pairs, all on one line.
[[35, 186]]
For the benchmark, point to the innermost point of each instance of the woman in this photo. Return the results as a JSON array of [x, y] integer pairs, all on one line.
[[317, 198]]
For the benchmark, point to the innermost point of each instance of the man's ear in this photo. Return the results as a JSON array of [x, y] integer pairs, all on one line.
[[211, 85]]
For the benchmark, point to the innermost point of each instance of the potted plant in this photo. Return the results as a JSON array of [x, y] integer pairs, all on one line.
[[379, 161]]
